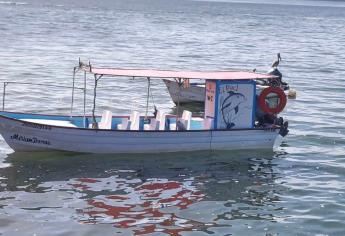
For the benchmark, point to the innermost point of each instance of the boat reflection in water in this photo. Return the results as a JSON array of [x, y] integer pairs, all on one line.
[[179, 193], [145, 206]]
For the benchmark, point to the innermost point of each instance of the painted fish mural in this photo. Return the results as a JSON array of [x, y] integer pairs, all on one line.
[[230, 107]]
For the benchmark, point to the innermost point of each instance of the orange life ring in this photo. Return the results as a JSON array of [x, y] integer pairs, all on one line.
[[262, 100]]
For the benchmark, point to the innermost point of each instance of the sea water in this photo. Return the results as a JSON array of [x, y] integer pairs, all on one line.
[[296, 190]]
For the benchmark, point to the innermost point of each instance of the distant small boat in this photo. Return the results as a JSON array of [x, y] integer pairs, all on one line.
[[231, 119], [195, 92]]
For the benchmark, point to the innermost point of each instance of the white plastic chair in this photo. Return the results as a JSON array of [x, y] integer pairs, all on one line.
[[124, 124], [154, 122], [106, 120], [186, 117], [185, 120], [161, 122], [132, 123]]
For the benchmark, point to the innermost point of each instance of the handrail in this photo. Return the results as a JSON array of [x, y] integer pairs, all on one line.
[[48, 85], [5, 83]]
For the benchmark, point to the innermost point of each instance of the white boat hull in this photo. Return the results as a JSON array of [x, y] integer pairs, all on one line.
[[27, 136]]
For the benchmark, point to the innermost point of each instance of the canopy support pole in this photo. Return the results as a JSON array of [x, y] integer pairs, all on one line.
[[94, 122], [180, 83], [84, 91], [148, 96], [154, 104], [72, 102], [3, 96]]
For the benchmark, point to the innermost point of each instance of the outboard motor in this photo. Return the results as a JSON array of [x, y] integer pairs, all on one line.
[[277, 82]]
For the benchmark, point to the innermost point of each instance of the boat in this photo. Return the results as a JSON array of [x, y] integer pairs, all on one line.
[[234, 118], [194, 92]]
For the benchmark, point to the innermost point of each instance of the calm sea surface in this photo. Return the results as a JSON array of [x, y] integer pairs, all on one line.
[[297, 190]]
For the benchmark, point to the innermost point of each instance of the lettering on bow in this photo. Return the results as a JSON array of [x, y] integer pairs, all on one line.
[[29, 139]]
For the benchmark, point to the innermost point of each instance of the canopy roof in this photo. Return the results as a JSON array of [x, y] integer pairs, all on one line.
[[209, 75]]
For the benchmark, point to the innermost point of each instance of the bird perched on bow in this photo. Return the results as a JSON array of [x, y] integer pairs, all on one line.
[[276, 63]]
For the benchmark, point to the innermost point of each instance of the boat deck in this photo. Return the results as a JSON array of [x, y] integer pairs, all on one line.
[[196, 123]]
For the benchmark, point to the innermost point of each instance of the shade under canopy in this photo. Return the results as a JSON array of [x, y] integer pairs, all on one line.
[[209, 75]]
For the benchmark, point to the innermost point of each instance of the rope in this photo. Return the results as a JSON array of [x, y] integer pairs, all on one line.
[[41, 84], [152, 98], [94, 122], [155, 110]]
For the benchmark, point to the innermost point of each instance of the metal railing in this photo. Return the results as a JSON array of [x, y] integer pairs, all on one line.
[[6, 83]]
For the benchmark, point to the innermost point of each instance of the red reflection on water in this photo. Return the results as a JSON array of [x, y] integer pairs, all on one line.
[[88, 180], [83, 183], [141, 207], [117, 197]]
